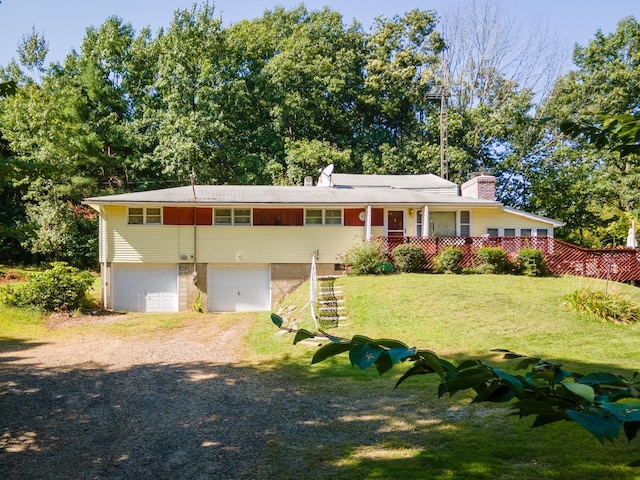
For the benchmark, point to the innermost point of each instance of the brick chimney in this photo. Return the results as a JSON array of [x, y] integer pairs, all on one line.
[[481, 186]]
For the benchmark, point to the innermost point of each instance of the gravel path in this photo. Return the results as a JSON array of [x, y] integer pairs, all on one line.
[[178, 405]]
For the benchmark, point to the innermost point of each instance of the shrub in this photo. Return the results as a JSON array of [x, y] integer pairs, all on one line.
[[493, 260], [366, 258], [531, 262], [409, 258], [61, 287], [448, 260], [611, 307]]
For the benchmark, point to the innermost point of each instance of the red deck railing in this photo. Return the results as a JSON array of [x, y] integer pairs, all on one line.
[[619, 264]]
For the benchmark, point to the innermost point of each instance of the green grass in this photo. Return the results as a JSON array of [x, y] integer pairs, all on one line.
[[369, 430], [461, 317]]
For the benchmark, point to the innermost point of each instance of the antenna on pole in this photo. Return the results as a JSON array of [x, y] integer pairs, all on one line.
[[192, 180], [439, 92]]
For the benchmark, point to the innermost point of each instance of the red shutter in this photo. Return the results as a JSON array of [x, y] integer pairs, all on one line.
[[184, 216], [278, 216], [352, 217], [377, 217]]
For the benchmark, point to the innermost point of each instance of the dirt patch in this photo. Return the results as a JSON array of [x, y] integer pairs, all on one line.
[[60, 320], [10, 276]]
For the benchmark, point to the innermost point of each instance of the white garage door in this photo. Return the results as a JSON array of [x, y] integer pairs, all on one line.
[[144, 288], [238, 288]]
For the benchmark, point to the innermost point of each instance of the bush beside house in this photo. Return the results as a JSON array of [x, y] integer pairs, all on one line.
[[62, 287]]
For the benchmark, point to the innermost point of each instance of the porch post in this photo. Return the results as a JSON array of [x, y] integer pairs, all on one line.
[[425, 221], [367, 225]]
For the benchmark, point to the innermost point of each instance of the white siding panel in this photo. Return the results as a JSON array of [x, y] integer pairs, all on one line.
[[260, 245], [481, 219]]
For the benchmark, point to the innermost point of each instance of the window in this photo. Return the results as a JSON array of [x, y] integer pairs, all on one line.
[[242, 216], [323, 217], [465, 223], [525, 232], [232, 216], [144, 216], [509, 232], [419, 223], [542, 232], [492, 232], [333, 217], [154, 217], [313, 217], [136, 216], [222, 216]]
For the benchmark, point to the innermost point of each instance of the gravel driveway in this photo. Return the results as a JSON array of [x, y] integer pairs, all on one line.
[[177, 405]]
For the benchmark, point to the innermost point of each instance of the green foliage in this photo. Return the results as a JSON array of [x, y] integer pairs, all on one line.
[[602, 403], [198, 306], [531, 262], [493, 260], [409, 258], [448, 261], [605, 306], [61, 287], [366, 258]]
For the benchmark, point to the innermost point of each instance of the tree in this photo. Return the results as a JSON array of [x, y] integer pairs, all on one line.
[[607, 81], [495, 72]]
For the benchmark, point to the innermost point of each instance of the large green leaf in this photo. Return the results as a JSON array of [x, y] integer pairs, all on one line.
[[631, 429], [526, 363], [390, 343], [392, 356], [330, 350], [303, 334], [361, 339], [603, 427], [583, 391], [365, 355], [548, 417], [603, 378], [277, 320], [468, 378], [510, 381], [625, 410], [419, 368]]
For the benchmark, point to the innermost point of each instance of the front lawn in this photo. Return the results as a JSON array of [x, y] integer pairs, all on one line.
[[462, 317]]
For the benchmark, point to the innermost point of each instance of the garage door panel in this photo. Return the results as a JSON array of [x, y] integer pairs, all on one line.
[[234, 288], [145, 288]]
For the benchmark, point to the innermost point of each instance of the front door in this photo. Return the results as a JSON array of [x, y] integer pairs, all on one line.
[[395, 223]]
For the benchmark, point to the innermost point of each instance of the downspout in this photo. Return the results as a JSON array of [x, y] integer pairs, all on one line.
[[103, 245], [195, 238]]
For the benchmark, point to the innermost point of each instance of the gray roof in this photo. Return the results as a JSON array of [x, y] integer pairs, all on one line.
[[285, 195], [426, 181]]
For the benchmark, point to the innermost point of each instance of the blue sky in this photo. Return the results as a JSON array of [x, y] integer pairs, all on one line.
[[64, 22]]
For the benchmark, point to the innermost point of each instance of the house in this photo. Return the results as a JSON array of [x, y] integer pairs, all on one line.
[[244, 247]]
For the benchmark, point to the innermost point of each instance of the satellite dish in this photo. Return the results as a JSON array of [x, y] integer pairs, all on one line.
[[327, 171], [325, 176]]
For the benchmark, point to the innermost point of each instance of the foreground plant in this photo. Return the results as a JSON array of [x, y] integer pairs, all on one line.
[[602, 403]]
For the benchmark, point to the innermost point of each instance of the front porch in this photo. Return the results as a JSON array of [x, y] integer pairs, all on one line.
[[562, 258]]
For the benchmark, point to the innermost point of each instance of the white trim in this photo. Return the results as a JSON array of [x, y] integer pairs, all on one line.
[[531, 216]]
